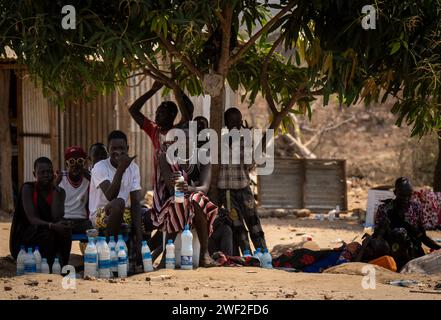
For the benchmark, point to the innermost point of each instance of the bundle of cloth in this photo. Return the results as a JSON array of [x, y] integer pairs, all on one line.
[[304, 260], [430, 203]]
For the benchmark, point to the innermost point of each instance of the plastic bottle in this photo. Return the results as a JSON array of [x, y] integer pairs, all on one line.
[[113, 262], [147, 262], [120, 243], [37, 256], [256, 255], [259, 253], [56, 267], [90, 259], [44, 266], [112, 243], [29, 263], [21, 261], [170, 259], [179, 195], [267, 260], [331, 215], [246, 253], [146, 257], [186, 249], [337, 212], [103, 259], [122, 262]]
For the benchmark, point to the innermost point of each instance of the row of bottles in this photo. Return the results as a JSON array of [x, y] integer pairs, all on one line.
[[32, 262]]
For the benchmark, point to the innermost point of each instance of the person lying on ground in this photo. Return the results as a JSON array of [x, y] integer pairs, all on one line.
[[97, 152], [197, 210], [38, 217], [115, 183], [236, 195], [398, 222], [75, 182]]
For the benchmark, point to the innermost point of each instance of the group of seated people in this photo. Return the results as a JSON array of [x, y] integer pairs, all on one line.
[[102, 190]]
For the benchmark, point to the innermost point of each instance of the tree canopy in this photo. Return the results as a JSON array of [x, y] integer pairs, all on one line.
[[289, 51]]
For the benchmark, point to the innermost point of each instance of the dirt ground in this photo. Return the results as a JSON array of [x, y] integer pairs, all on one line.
[[227, 282]]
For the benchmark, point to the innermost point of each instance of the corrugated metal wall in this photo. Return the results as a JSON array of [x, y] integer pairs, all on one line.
[[283, 188], [86, 123], [315, 184], [35, 127], [325, 184]]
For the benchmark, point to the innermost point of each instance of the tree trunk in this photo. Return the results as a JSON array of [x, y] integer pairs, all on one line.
[[437, 178], [6, 193], [216, 123]]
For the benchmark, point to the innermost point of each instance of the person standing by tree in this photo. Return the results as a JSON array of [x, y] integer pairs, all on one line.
[[236, 195]]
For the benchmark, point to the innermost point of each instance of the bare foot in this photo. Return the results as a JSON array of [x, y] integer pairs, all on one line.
[[205, 261]]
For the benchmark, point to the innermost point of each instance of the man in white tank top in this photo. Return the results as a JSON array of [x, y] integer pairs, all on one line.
[[75, 181]]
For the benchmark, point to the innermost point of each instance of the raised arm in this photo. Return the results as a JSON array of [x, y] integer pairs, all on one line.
[[135, 108]]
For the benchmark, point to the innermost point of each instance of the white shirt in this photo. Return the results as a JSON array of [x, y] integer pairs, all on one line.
[[102, 171], [76, 198]]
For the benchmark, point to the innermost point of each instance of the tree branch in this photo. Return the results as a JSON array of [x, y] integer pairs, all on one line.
[[326, 129], [257, 35], [226, 37], [174, 51], [268, 95]]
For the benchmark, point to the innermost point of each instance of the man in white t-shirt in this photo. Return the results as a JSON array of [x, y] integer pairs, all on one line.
[[115, 189]]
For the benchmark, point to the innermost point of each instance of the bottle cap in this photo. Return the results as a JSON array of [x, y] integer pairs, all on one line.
[[259, 250], [30, 249], [23, 247], [187, 227], [120, 236], [144, 243], [170, 241], [43, 259], [56, 259], [265, 250]]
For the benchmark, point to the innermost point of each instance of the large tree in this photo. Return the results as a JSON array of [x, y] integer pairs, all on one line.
[[290, 51]]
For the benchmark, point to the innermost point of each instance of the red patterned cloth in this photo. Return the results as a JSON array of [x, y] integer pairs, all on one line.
[[430, 203]]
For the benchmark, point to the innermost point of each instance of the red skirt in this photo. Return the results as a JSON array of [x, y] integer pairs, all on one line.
[[173, 217]]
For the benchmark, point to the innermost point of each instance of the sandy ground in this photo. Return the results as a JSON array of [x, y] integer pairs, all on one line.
[[225, 283]]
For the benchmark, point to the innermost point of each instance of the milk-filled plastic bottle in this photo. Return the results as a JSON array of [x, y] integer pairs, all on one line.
[[120, 243], [122, 262], [45, 266], [30, 266], [21, 261], [90, 259], [179, 195], [186, 249], [37, 256], [113, 262], [56, 267], [267, 260], [146, 257], [103, 259], [147, 262], [170, 259]]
